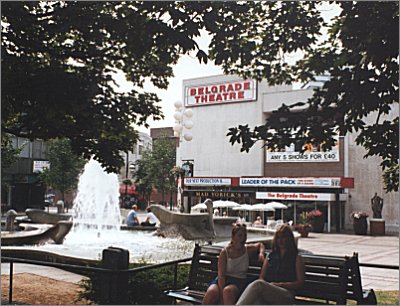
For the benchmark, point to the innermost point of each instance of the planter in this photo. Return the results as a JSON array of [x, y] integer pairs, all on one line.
[[360, 226], [318, 224], [303, 230], [377, 227]]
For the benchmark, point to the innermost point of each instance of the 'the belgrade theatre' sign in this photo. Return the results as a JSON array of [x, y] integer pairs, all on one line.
[[235, 91]]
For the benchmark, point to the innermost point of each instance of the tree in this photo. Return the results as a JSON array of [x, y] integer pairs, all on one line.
[[360, 56], [143, 175], [164, 160], [65, 166], [154, 169], [58, 59]]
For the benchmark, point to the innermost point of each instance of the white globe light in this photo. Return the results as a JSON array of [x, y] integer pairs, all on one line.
[[178, 104], [176, 134], [177, 128], [188, 124], [188, 113], [178, 116], [188, 136]]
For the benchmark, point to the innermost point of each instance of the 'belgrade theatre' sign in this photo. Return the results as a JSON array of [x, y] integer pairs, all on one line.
[[235, 91]]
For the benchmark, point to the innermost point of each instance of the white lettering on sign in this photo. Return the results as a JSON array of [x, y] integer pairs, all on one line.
[[296, 196], [235, 91], [328, 182], [290, 157], [206, 181]]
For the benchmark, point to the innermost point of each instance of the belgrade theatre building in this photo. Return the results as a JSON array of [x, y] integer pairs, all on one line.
[[336, 182]]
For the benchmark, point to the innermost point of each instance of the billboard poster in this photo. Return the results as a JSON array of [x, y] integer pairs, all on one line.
[[311, 154]]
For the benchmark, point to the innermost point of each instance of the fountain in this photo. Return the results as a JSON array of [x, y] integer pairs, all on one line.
[[96, 226]]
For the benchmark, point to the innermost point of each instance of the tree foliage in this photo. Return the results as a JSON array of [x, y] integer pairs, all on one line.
[[9, 154], [65, 166], [58, 58], [360, 56], [154, 169]]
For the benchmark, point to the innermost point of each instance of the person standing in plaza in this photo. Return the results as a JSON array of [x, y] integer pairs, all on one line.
[[240, 219], [233, 263], [132, 219], [281, 274]]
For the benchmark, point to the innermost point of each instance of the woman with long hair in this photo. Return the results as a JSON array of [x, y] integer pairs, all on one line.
[[233, 263], [281, 274]]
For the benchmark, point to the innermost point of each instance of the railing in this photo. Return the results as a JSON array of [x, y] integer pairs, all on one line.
[[84, 270]]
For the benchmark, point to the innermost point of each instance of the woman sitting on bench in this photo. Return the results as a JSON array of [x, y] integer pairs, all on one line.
[[282, 273], [233, 263]]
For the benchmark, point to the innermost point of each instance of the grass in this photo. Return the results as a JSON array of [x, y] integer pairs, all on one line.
[[388, 297]]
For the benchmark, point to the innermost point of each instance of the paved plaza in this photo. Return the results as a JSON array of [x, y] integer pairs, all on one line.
[[374, 250], [371, 249]]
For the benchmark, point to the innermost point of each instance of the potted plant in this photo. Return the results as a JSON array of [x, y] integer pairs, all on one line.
[[303, 227], [360, 224], [316, 218]]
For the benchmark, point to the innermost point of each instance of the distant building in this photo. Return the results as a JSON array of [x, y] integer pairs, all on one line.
[[21, 187], [336, 182]]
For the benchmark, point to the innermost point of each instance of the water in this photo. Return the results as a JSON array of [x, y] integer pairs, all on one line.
[[97, 220]]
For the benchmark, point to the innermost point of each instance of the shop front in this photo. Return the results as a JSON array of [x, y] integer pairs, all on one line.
[[299, 194]]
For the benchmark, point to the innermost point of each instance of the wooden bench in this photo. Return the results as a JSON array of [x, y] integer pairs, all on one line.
[[328, 279]]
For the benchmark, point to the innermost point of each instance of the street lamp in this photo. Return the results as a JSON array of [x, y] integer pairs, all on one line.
[[183, 125]]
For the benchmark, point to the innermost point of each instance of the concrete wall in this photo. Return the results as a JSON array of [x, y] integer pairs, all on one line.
[[210, 149], [367, 175]]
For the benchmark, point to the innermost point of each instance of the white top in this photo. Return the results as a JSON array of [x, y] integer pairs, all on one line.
[[152, 218], [237, 267]]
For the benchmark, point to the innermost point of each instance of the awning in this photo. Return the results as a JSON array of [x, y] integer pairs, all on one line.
[[127, 189]]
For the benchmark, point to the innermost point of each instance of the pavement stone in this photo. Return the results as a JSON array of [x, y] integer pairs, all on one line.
[[375, 250]]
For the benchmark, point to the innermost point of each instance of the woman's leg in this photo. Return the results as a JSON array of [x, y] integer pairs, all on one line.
[[261, 292], [212, 295], [230, 294]]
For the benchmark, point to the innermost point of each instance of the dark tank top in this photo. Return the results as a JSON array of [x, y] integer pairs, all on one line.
[[281, 269]]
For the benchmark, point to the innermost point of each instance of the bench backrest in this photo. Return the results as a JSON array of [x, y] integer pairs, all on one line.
[[325, 278]]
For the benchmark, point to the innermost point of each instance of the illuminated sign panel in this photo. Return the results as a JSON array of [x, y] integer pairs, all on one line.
[[311, 154], [328, 182], [207, 181], [218, 93], [296, 196]]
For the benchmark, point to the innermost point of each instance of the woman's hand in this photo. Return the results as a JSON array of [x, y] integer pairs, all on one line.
[[261, 257]]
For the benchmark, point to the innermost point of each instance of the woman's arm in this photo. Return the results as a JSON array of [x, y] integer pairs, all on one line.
[[298, 283], [264, 269], [257, 247], [221, 274]]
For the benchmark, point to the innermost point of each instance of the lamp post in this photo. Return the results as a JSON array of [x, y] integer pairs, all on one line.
[[182, 127]]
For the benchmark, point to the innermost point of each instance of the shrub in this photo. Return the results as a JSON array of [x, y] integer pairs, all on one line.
[[145, 288], [358, 214], [313, 214]]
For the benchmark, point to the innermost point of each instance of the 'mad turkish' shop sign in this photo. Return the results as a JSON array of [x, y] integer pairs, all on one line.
[[323, 182], [235, 91]]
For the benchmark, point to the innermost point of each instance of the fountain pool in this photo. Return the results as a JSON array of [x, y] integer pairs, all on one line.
[[96, 225]]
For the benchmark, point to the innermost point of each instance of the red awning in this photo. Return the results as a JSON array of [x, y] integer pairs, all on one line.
[[127, 189]]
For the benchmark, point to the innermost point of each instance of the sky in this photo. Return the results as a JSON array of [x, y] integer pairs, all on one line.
[[188, 67]]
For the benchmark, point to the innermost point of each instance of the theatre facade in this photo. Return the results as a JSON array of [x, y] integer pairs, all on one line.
[[336, 182]]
